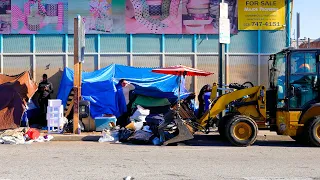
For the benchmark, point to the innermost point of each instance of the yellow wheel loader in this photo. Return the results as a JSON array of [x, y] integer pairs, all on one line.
[[290, 106]]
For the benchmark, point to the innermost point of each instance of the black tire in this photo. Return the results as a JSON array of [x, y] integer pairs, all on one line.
[[222, 125], [248, 125], [312, 131]]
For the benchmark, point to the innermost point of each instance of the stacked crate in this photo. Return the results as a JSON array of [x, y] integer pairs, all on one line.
[[55, 116]]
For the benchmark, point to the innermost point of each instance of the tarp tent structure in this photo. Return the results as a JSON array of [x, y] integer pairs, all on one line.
[[100, 87], [15, 91]]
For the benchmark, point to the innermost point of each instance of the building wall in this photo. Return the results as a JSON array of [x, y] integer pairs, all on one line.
[[247, 55]]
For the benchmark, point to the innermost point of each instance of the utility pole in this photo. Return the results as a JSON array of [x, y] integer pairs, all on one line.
[[79, 38], [224, 38], [298, 29]]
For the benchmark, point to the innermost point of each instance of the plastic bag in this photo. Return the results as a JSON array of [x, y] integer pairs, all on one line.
[[115, 135], [147, 129], [106, 137], [141, 137], [124, 134], [156, 141], [140, 114], [135, 126]]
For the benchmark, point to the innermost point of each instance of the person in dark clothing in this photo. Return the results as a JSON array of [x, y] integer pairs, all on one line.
[[204, 89], [127, 89], [45, 90]]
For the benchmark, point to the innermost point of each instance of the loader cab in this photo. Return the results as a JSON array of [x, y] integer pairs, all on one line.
[[295, 77], [294, 80]]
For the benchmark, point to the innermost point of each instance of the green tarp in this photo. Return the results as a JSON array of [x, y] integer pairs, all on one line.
[[146, 101]]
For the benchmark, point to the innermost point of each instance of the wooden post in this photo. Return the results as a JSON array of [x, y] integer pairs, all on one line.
[[76, 79]]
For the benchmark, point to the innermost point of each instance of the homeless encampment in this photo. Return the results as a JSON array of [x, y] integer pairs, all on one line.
[[15, 91], [105, 96]]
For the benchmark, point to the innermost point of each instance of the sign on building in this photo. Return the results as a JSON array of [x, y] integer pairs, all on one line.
[[261, 14]]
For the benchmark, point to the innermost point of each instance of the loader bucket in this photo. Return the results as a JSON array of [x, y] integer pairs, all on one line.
[[184, 133]]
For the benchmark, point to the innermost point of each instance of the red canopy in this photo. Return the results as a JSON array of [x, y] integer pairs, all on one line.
[[181, 70]]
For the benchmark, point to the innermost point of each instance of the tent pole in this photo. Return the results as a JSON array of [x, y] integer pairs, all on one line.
[[179, 94]]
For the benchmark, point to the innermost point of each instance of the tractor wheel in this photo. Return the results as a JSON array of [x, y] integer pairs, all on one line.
[[222, 125], [313, 131], [241, 130]]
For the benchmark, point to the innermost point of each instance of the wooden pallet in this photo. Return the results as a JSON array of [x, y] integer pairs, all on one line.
[[69, 105]]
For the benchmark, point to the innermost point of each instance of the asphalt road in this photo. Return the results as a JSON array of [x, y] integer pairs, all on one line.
[[195, 160]]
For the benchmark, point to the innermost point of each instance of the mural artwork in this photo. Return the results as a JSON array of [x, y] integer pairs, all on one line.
[[153, 16], [5, 16], [39, 16], [202, 16]]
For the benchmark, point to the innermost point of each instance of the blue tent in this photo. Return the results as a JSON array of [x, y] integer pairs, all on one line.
[[99, 87]]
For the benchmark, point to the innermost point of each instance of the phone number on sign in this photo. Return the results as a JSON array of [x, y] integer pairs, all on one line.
[[263, 24]]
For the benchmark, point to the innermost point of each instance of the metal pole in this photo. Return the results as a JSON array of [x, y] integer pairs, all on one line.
[[222, 68], [298, 29], [308, 42], [288, 25], [76, 82]]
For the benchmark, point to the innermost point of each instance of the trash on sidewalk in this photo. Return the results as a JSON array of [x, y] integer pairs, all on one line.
[[110, 135], [106, 137], [23, 136], [141, 137]]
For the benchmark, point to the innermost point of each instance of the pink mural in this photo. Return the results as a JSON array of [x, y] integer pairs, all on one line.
[[202, 16], [97, 15], [5, 16], [100, 12], [153, 16], [35, 17]]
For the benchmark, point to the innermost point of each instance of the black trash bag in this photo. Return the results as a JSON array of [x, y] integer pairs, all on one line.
[[124, 134], [141, 137], [68, 127]]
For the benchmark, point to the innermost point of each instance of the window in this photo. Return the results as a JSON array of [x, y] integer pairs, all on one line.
[[303, 63], [280, 65], [303, 79]]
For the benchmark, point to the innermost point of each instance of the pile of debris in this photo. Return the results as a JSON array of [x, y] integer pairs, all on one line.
[[22, 136], [143, 129]]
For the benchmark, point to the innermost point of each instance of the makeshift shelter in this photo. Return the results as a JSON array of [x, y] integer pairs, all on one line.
[[15, 91], [105, 96]]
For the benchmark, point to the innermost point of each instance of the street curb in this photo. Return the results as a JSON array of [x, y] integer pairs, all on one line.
[[211, 137]]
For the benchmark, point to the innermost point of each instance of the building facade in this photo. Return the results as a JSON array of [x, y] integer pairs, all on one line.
[[247, 54]]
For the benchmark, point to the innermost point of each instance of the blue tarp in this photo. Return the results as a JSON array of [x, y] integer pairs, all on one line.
[[99, 87]]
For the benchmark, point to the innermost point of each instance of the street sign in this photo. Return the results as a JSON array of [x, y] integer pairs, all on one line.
[[224, 10], [82, 37], [224, 24], [224, 31]]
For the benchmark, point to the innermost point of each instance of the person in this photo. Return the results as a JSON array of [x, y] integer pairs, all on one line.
[[206, 98], [204, 89], [126, 88], [304, 68], [45, 90]]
